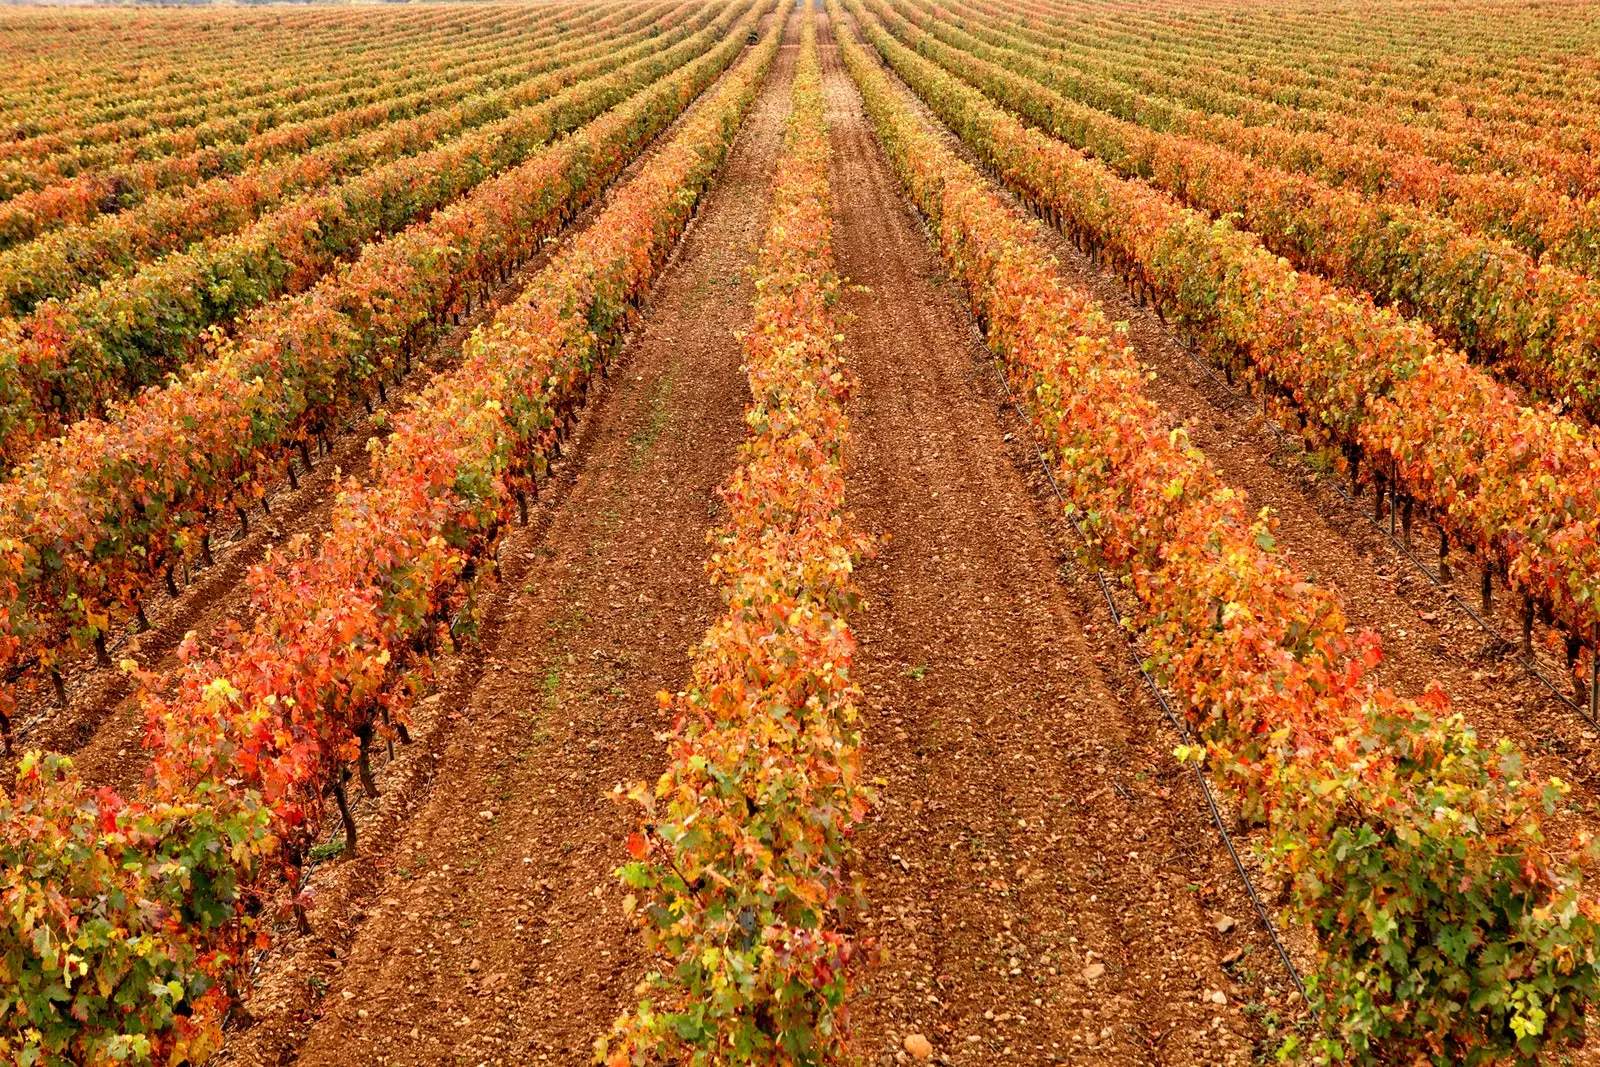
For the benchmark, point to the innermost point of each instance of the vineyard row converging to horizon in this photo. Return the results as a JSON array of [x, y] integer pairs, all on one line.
[[1439, 922]]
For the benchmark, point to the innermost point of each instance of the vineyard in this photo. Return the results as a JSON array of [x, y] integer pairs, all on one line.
[[836, 532]]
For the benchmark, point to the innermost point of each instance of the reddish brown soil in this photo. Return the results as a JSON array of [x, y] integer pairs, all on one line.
[[491, 930], [1426, 637], [1033, 821], [102, 727], [1043, 878]]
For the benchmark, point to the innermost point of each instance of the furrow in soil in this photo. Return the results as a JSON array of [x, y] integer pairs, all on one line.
[[1042, 876], [493, 929], [102, 726]]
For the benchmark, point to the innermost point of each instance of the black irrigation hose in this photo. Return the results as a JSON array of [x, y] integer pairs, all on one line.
[[1161, 698], [1527, 662]]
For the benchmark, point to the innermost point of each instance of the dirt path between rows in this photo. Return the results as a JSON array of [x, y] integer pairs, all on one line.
[[492, 930], [1426, 637], [102, 727], [1043, 875]]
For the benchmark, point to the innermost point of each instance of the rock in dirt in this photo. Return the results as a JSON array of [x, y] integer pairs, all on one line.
[[1225, 923], [918, 1046], [1093, 971]]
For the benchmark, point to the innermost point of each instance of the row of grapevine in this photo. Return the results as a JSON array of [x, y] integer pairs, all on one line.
[[232, 117], [95, 193], [739, 868], [1543, 322], [1453, 108], [1448, 928], [1517, 486], [77, 356], [1467, 114], [171, 69], [1387, 56], [114, 508], [112, 125], [37, 178], [1527, 210], [169, 886], [55, 265], [168, 67], [124, 927]]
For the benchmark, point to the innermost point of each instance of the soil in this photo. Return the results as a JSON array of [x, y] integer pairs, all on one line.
[[1040, 869], [1326, 529], [1043, 880], [101, 726], [1428, 636], [1042, 877], [489, 929]]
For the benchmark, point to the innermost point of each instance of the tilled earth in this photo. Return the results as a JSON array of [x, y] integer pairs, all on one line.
[[494, 932], [1043, 881]]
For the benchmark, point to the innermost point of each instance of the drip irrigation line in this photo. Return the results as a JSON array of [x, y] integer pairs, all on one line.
[[1527, 662], [1161, 698]]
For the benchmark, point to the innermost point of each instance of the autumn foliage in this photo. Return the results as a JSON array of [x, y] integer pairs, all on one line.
[[126, 922], [253, 734], [1535, 311], [198, 110], [106, 514], [1516, 485], [293, 159], [212, 264], [738, 866], [1502, 168], [229, 167], [82, 354], [1449, 929]]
